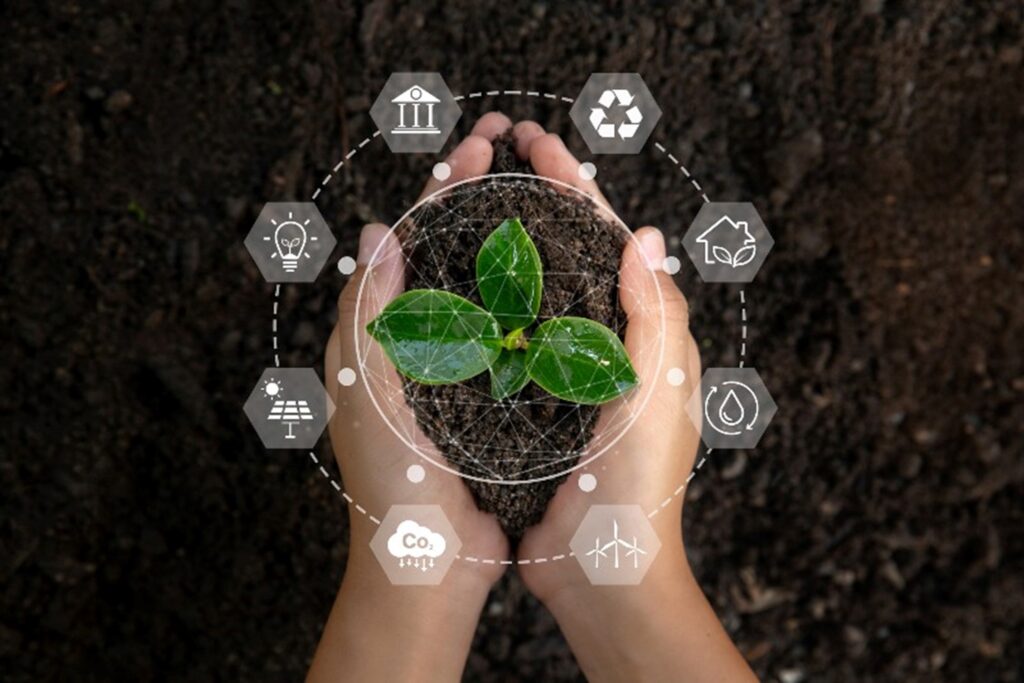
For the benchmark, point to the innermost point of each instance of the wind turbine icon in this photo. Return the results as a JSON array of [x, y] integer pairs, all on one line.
[[632, 549]]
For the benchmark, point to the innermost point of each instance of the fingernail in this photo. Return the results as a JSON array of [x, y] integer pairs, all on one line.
[[369, 241], [652, 244]]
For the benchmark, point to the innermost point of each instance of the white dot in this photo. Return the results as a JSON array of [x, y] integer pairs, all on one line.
[[346, 377], [347, 265], [588, 482], [675, 376], [273, 388], [415, 473], [587, 171], [670, 265], [442, 171]]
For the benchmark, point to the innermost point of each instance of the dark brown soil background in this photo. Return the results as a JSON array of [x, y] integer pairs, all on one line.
[[513, 439], [874, 535]]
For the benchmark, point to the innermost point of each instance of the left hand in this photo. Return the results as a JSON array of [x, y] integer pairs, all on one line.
[[372, 458], [433, 626]]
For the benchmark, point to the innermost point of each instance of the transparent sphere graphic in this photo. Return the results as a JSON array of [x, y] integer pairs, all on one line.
[[530, 436]]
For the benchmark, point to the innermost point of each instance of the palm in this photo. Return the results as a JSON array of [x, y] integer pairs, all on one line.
[[652, 459], [371, 455]]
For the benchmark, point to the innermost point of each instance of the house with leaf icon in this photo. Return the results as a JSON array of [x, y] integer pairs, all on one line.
[[728, 242]]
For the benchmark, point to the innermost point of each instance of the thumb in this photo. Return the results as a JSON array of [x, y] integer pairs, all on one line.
[[379, 278], [658, 337]]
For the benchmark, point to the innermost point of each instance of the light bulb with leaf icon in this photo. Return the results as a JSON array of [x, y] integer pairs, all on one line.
[[290, 240]]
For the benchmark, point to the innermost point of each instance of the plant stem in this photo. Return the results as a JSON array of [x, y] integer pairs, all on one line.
[[516, 340]]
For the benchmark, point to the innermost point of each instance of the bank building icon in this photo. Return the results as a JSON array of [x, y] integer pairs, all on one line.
[[415, 112]]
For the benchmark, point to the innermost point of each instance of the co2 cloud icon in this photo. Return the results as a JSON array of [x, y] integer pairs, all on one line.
[[415, 545]]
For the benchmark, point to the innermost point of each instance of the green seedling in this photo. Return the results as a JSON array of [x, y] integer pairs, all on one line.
[[436, 337]]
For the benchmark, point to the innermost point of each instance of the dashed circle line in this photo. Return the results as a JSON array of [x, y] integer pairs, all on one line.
[[704, 196], [509, 563], [693, 181], [273, 325], [528, 93], [467, 558], [682, 487], [337, 487], [337, 168], [743, 327]]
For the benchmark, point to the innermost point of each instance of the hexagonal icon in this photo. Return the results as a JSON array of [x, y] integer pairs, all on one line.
[[615, 545], [415, 545], [289, 408], [732, 407], [615, 113], [728, 242], [290, 242], [415, 112]]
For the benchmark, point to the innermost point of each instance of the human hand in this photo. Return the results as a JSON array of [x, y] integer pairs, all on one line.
[[662, 629], [433, 624], [656, 453], [372, 458], [647, 619]]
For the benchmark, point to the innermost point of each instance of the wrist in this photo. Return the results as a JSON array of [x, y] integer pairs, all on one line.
[[412, 614], [366, 578], [663, 629], [431, 627], [615, 630], [669, 579]]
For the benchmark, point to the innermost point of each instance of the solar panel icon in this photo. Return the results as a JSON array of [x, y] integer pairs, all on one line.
[[289, 408], [290, 412]]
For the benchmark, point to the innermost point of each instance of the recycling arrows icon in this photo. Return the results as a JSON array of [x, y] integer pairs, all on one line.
[[599, 115]]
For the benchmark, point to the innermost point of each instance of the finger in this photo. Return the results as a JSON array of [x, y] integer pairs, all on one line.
[[379, 278], [550, 158], [372, 418], [525, 133], [657, 330], [332, 364], [358, 427], [471, 158], [491, 125], [653, 304]]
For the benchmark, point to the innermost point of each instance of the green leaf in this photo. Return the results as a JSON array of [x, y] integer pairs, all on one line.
[[510, 276], [436, 337], [508, 374], [579, 360]]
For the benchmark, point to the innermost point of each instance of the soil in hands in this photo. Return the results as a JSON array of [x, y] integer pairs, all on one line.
[[532, 434]]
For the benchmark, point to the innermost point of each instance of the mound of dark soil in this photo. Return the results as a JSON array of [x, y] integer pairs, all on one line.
[[531, 435]]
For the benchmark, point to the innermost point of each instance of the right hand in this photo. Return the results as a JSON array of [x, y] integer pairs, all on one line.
[[655, 455]]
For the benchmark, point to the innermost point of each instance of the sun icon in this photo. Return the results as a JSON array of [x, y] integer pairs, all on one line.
[[271, 388]]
